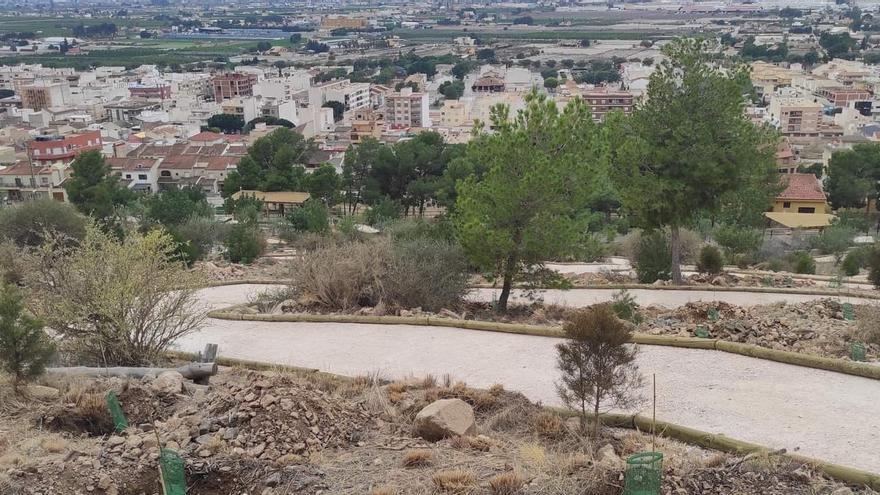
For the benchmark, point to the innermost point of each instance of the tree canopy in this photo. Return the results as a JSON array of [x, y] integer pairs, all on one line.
[[854, 176], [94, 190], [689, 145], [273, 163], [523, 209]]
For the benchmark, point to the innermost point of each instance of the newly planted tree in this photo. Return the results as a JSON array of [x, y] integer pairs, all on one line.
[[523, 209], [597, 364], [24, 346], [690, 145]]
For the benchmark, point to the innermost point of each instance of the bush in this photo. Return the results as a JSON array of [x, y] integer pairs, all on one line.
[[116, 303], [313, 216], [625, 307], [245, 243], [653, 260], [424, 273], [386, 209], [418, 261], [12, 264], [873, 264], [852, 263], [691, 243], [710, 261], [854, 219], [24, 346], [203, 234], [867, 328], [405, 229], [835, 240], [739, 243], [802, 262], [26, 224]]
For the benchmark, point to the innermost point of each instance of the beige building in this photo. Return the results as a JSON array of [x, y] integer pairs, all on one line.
[[455, 113], [406, 108], [233, 85], [796, 117], [41, 95]]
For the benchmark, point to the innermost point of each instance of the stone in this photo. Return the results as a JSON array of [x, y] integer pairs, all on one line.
[[842, 491], [133, 441], [167, 383], [608, 457], [115, 440], [445, 418]]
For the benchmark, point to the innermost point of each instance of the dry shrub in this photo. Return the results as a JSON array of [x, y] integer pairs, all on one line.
[[867, 327], [383, 490], [478, 443], [548, 424], [533, 454], [347, 276], [398, 387], [507, 483], [430, 381], [454, 480], [691, 243], [88, 414], [496, 389], [417, 458]]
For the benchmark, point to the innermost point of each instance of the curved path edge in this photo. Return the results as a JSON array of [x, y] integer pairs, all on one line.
[[810, 361], [666, 429]]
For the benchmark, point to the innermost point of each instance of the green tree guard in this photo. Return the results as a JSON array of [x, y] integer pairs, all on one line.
[[119, 421], [173, 476], [644, 474]]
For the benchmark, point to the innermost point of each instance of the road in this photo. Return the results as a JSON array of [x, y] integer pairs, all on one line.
[[822, 414]]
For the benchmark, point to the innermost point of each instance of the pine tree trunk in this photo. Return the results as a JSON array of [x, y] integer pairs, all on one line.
[[675, 248], [596, 418]]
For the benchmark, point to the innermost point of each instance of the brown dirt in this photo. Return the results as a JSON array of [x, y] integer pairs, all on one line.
[[356, 436]]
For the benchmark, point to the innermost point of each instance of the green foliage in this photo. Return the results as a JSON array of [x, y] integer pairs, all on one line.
[[852, 263], [323, 185], [356, 172], [802, 262], [94, 190], [814, 168], [273, 163], [24, 346], [452, 90], [738, 242], [840, 45], [710, 261], [338, 109], [406, 229], [382, 211], [522, 210], [854, 219], [853, 176], [626, 308], [551, 83], [246, 208], [690, 145], [773, 53], [313, 216], [245, 243], [834, 239], [873, 263], [175, 206], [27, 224], [227, 123], [652, 259], [201, 234], [597, 72]]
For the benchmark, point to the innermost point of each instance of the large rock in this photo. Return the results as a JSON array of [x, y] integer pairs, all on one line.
[[445, 418], [167, 383], [39, 392]]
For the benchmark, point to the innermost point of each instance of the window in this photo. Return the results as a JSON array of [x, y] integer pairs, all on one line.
[[165, 173], [806, 209], [142, 176], [786, 204], [128, 176]]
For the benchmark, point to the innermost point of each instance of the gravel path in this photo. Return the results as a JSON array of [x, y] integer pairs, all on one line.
[[218, 297], [822, 414]]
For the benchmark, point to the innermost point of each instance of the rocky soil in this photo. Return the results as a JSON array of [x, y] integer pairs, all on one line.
[[815, 327], [273, 433]]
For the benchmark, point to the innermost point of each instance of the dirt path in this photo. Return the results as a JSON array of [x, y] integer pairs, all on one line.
[[822, 414]]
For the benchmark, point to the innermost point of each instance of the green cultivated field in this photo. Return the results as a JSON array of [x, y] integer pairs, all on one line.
[[543, 34]]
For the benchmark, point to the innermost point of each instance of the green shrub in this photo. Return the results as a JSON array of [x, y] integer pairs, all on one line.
[[873, 264], [625, 307], [835, 240], [710, 261], [201, 234], [802, 262], [26, 224], [384, 210], [417, 261], [852, 263], [313, 216], [775, 265], [739, 243], [854, 219], [24, 346], [404, 229], [653, 260], [245, 243]]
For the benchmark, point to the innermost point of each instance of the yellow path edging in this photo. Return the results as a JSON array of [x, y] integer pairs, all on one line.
[[817, 362]]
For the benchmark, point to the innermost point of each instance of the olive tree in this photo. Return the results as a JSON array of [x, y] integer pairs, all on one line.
[[115, 302]]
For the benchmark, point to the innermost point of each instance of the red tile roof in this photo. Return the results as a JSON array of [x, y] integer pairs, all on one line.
[[207, 136], [802, 186], [130, 164]]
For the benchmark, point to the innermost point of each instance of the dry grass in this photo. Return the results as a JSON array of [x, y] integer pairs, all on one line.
[[454, 480], [398, 387], [548, 424], [417, 458], [496, 389], [479, 443], [430, 381], [383, 490], [867, 327], [533, 455], [508, 483], [54, 444]]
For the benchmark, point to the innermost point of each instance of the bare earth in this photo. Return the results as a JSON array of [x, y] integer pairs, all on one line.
[[821, 414]]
